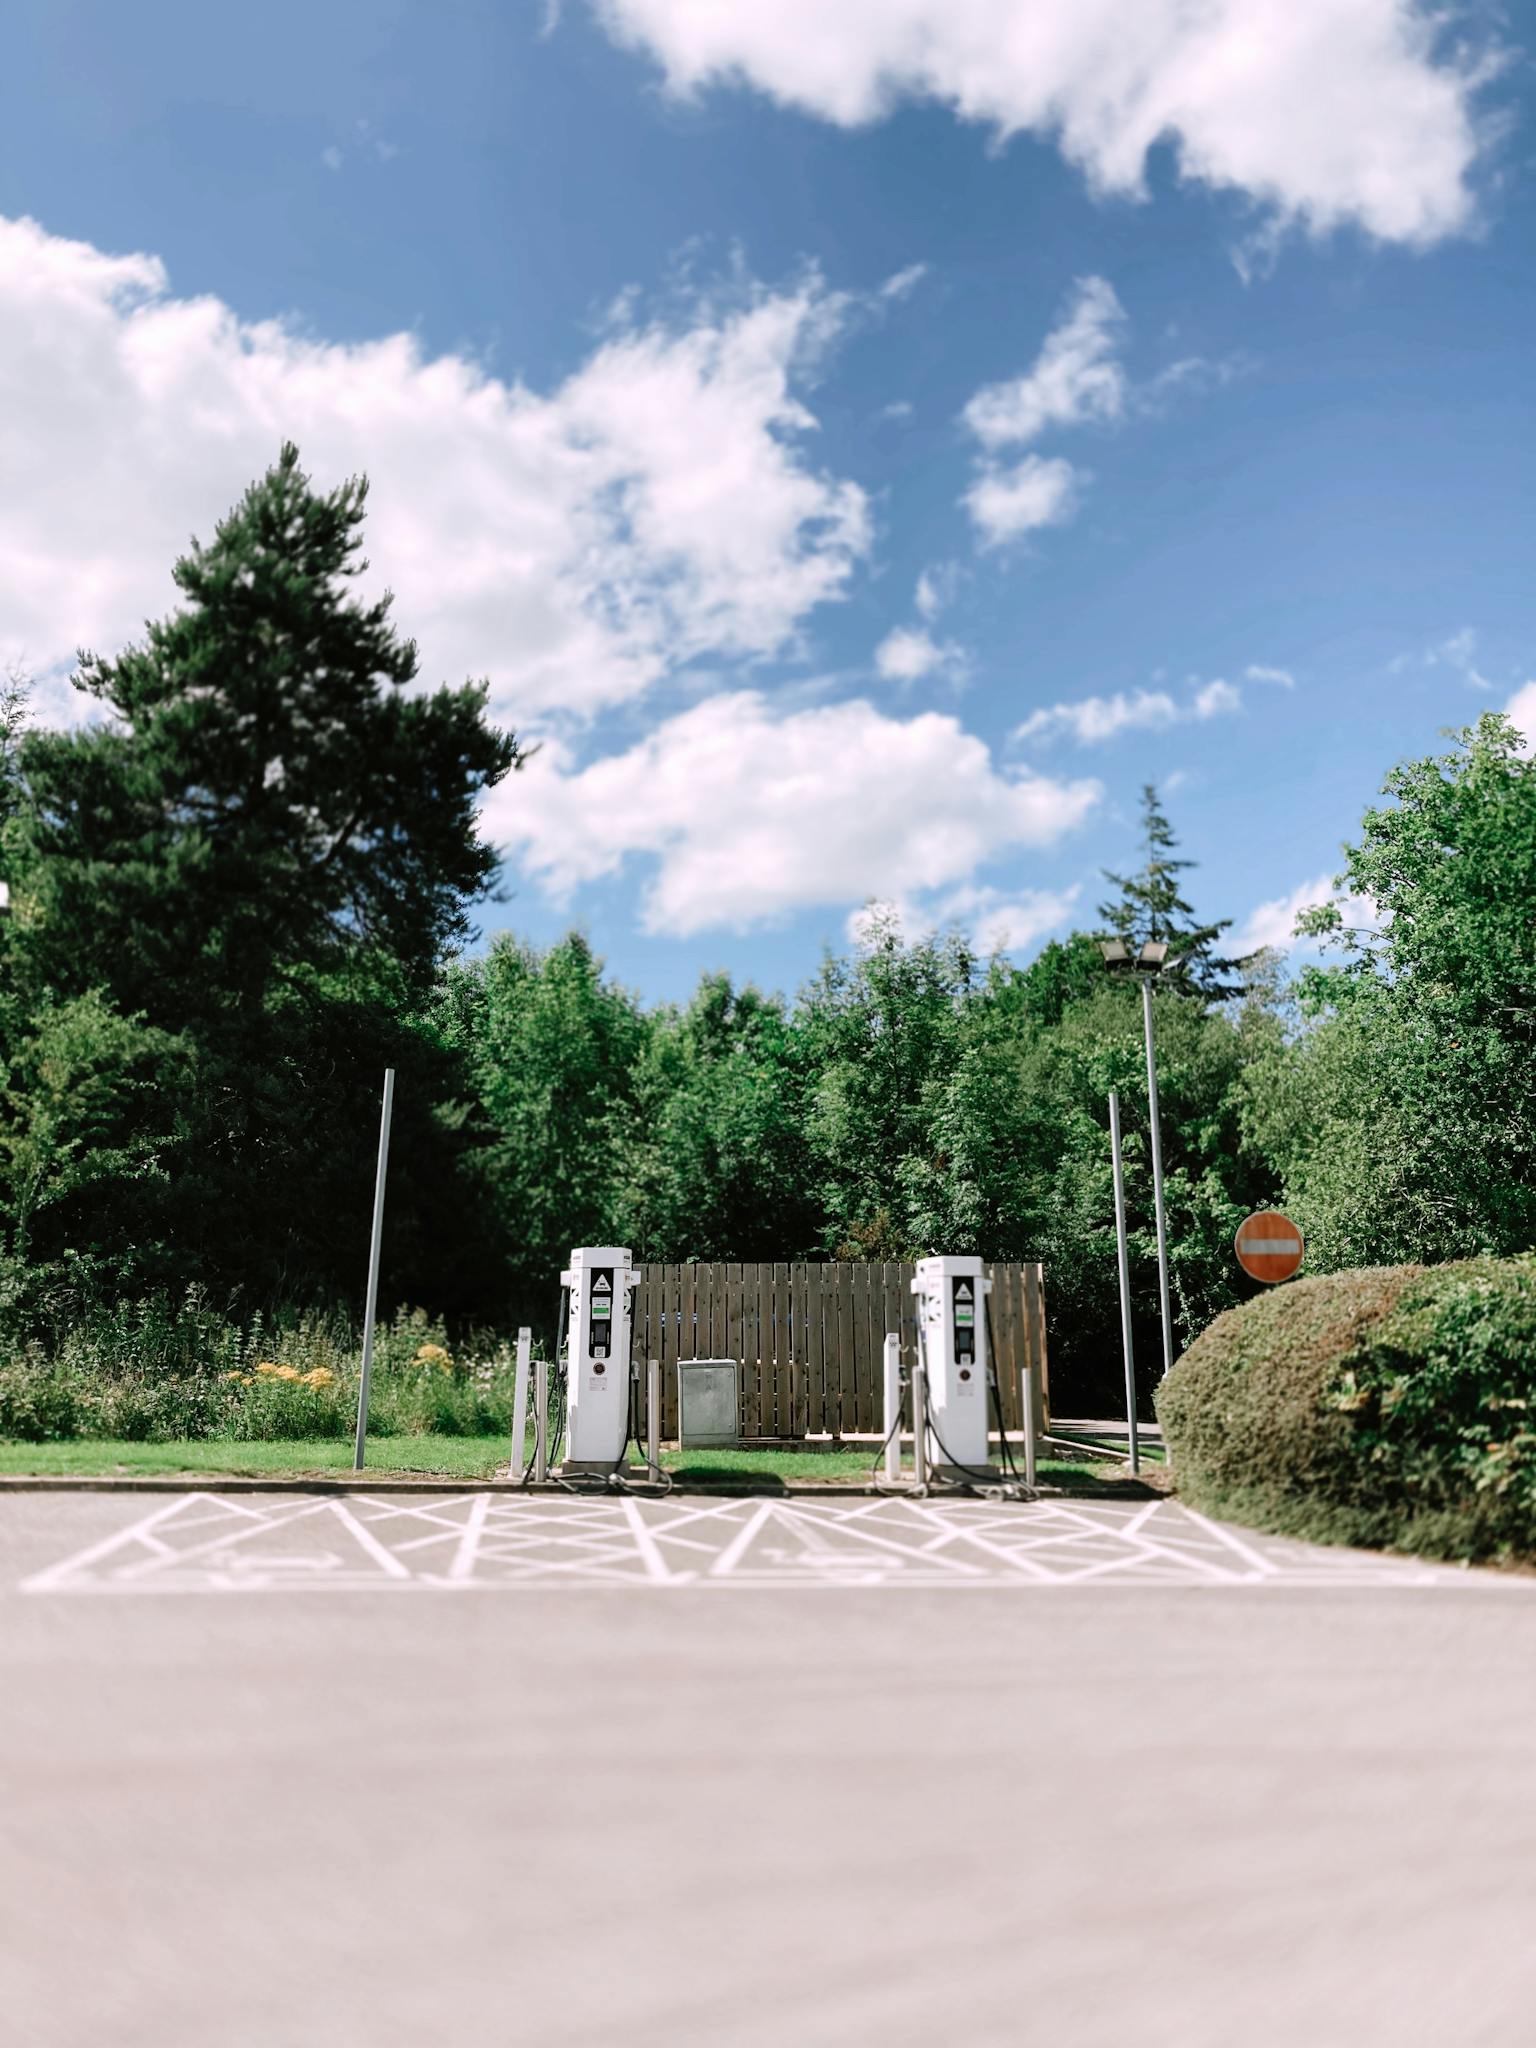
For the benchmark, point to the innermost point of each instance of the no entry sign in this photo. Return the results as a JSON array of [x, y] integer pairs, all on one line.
[[1269, 1246]]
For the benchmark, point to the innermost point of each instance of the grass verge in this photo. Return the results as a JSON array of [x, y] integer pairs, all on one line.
[[464, 1457]]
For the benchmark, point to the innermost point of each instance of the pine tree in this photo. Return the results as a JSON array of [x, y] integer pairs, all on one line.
[[261, 856], [269, 795], [1152, 906]]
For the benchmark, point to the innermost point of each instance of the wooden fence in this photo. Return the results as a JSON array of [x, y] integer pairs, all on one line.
[[810, 1339]]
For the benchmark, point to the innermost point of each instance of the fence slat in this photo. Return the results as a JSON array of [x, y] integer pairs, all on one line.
[[709, 1334], [848, 1349], [857, 1277], [1000, 1309], [780, 1382], [734, 1332], [796, 1351], [1033, 1280], [750, 1350], [671, 1278], [812, 1350]]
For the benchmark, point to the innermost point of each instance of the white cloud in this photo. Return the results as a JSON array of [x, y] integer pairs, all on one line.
[[1521, 713], [908, 654], [1216, 699], [1075, 380], [1039, 491], [655, 508], [1324, 112], [1459, 652], [902, 283], [996, 921], [934, 589], [1256, 672], [1273, 923], [751, 816], [1075, 376], [1092, 720]]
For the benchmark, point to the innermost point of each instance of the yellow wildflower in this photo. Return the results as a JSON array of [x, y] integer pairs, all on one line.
[[434, 1354], [322, 1376], [267, 1369]]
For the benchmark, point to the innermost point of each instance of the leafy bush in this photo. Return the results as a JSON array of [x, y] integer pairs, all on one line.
[[163, 1370], [1395, 1405]]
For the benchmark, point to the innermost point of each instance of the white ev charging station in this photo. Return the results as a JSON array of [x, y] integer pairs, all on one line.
[[952, 1331], [600, 1281]]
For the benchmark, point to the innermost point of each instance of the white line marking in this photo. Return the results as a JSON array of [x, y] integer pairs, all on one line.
[[463, 1565], [369, 1542], [40, 1582], [656, 1567], [1262, 1566], [1139, 1520], [198, 1542]]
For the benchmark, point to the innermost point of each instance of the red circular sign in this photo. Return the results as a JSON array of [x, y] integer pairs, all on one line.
[[1269, 1246]]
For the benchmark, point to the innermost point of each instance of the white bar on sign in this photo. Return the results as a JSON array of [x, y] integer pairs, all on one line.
[[1271, 1246]]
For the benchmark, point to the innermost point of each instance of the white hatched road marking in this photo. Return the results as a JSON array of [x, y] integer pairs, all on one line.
[[208, 1543]]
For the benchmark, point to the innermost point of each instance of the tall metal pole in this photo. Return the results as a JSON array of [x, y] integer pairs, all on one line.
[[1125, 1279], [1157, 1177], [373, 1270]]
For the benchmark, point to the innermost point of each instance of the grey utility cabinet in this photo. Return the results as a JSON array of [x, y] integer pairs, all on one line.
[[708, 1401]]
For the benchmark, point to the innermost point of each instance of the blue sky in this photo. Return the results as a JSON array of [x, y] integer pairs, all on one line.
[[862, 444]]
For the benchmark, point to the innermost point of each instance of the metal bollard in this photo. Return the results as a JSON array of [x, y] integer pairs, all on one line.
[[653, 1417], [893, 1407], [919, 1427], [541, 1422], [520, 1405], [1029, 1426]]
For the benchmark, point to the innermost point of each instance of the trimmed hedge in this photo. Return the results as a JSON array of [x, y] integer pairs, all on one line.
[[1391, 1406]]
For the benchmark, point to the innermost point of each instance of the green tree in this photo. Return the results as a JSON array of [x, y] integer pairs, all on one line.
[[1402, 1116], [259, 857], [549, 1049], [877, 1031], [721, 1163], [1152, 905]]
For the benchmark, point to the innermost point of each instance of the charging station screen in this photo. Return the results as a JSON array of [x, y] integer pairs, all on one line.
[[600, 1314], [963, 1306]]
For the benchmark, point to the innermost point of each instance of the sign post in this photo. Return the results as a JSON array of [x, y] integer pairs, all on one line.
[[1123, 1260], [371, 1307], [1269, 1246]]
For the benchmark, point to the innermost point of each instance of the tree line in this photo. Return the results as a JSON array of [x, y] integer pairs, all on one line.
[[246, 888]]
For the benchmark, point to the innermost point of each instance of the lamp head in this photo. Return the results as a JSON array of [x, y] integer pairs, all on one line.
[[1152, 954], [1116, 952]]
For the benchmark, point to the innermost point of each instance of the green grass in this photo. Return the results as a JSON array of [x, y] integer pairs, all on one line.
[[460, 1457]]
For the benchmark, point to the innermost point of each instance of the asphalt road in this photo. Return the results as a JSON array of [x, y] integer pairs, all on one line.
[[1285, 1805]]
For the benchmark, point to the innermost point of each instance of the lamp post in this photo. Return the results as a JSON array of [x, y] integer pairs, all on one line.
[[1146, 966]]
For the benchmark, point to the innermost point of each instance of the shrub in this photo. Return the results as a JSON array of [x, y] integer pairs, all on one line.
[[164, 1370], [1395, 1405]]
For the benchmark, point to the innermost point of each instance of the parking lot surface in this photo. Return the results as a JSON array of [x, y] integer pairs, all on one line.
[[383, 1770]]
